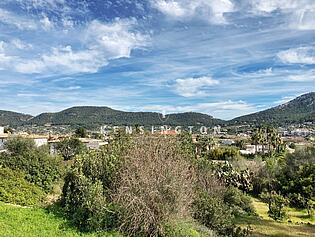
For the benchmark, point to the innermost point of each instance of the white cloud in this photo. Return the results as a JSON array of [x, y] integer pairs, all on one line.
[[2, 46], [46, 23], [115, 40], [303, 77], [223, 109], [64, 60], [302, 55], [101, 43], [211, 11], [194, 87], [301, 13], [19, 44], [17, 21]]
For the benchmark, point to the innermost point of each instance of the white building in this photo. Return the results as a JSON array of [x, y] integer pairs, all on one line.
[[253, 149]]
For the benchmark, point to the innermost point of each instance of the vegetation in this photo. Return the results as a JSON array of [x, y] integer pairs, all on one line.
[[69, 148], [16, 190], [296, 223], [12, 118], [155, 186], [163, 186], [80, 132], [39, 167], [88, 116], [29, 222], [298, 110]]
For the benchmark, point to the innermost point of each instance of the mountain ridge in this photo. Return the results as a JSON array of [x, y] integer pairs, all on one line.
[[299, 110]]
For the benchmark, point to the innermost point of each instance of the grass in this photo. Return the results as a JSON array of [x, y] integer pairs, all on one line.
[[296, 224], [16, 221]]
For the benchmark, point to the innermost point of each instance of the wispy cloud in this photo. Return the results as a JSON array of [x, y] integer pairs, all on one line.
[[302, 55], [298, 14], [194, 87], [12, 19]]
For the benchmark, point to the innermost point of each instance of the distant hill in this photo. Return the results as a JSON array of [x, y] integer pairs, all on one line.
[[90, 116], [299, 110], [12, 118]]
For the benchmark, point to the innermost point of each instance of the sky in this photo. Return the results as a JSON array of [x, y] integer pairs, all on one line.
[[224, 58]]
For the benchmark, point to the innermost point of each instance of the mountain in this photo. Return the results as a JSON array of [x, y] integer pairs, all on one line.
[[12, 118], [90, 116], [299, 110]]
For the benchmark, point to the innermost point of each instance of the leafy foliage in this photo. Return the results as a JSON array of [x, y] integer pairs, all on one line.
[[223, 153], [80, 132], [276, 203], [16, 190], [88, 186], [39, 167], [70, 147], [297, 179]]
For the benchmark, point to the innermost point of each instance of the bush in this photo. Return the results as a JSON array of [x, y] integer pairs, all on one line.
[[155, 186], [276, 203], [187, 230], [216, 206], [239, 203], [223, 153], [212, 212], [39, 167], [16, 190], [86, 204], [88, 186]]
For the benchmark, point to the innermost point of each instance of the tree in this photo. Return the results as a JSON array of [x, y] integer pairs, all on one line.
[[297, 179], [276, 203], [70, 147], [80, 132]]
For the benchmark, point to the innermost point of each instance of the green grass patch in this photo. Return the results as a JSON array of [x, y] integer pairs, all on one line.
[[296, 224], [16, 221]]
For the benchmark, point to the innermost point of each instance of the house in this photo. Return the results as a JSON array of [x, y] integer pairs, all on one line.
[[39, 140], [3, 139], [253, 149]]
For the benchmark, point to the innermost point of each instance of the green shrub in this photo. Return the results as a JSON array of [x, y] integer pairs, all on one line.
[[239, 202], [86, 205], [187, 230], [213, 213], [87, 188], [223, 153], [276, 203], [16, 190], [39, 167]]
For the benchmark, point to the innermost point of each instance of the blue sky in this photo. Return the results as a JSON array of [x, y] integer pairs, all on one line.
[[221, 57]]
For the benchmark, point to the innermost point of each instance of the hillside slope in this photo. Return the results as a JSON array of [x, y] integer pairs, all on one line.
[[13, 118], [298, 110], [94, 116]]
